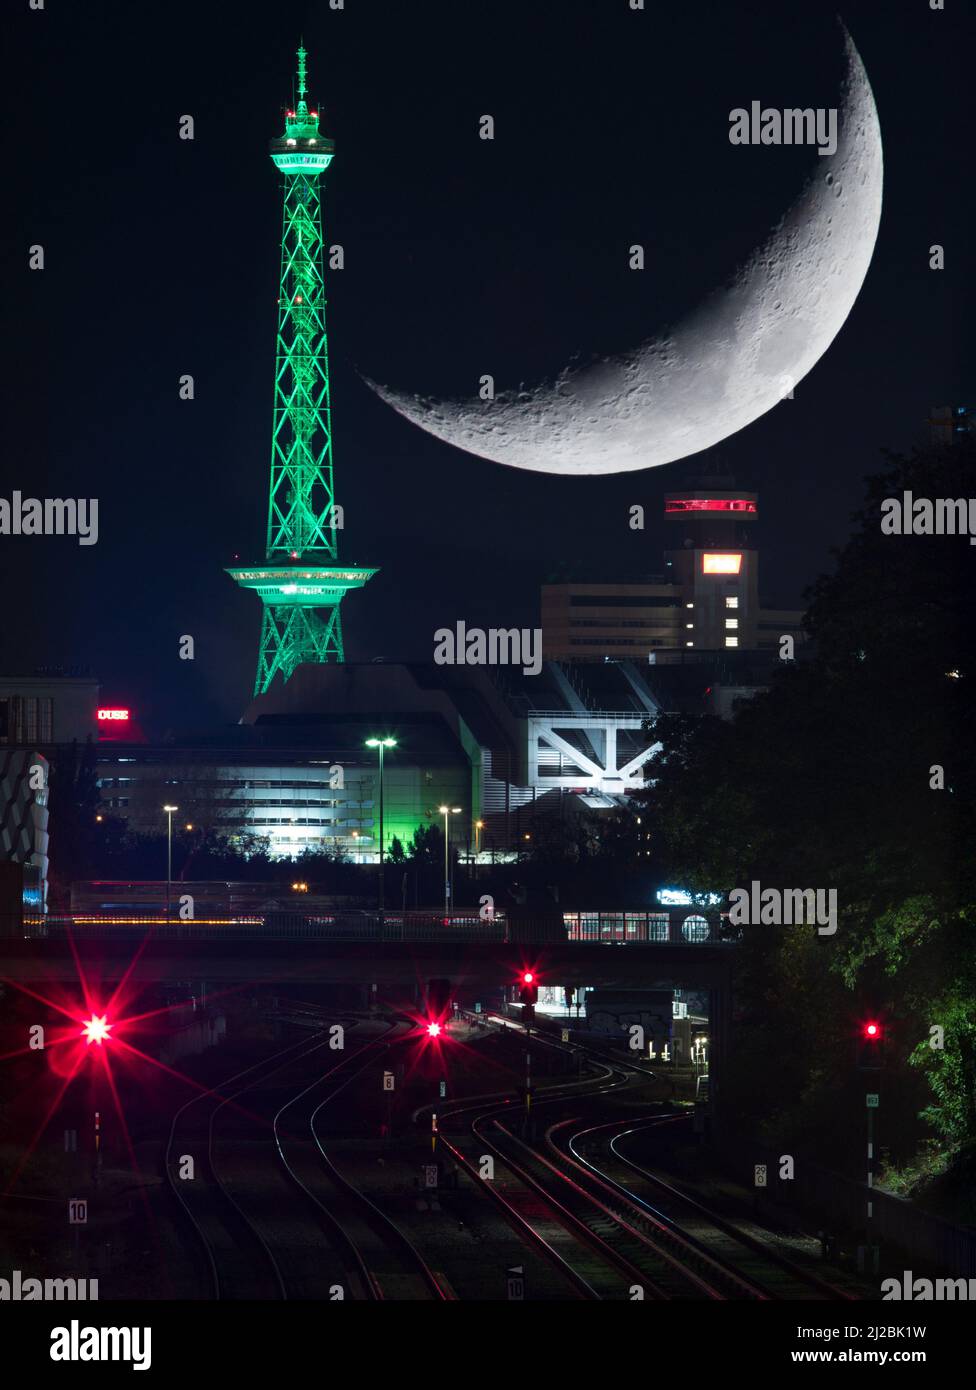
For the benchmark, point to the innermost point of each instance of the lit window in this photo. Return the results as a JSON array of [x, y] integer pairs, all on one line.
[[731, 641], [708, 504], [732, 622], [695, 928], [731, 602], [721, 564]]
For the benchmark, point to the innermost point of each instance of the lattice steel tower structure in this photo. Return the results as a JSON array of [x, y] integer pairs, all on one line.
[[301, 584]]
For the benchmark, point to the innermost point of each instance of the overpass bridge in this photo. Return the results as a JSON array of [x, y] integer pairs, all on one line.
[[335, 948], [466, 958], [390, 959], [342, 948]]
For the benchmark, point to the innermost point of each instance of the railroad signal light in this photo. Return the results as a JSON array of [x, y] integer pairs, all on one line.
[[434, 1029], [528, 987], [870, 1046], [96, 1030]]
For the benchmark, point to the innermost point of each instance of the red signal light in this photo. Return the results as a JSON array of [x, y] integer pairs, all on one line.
[[870, 1045], [433, 1030], [528, 988], [96, 1030]]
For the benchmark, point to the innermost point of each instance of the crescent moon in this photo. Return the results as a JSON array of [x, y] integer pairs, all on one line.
[[733, 359]]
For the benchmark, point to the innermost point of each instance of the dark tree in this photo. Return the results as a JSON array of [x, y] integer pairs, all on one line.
[[855, 772]]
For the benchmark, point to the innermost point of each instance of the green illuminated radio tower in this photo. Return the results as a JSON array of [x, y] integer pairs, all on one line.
[[301, 584]]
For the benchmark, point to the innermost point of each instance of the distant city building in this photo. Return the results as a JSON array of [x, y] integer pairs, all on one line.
[[298, 787], [38, 711], [24, 819], [509, 750], [706, 601], [47, 708], [505, 748], [512, 751]]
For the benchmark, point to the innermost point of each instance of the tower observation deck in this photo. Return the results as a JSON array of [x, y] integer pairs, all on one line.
[[300, 582]]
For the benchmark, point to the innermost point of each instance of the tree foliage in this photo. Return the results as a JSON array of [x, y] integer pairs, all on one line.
[[853, 771]]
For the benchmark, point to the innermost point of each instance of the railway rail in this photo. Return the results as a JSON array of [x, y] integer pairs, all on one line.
[[239, 1236]]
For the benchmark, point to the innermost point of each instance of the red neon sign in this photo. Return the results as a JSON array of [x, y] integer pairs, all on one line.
[[109, 715], [709, 504]]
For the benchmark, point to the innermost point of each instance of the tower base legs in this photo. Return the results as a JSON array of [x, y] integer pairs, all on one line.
[[291, 635]]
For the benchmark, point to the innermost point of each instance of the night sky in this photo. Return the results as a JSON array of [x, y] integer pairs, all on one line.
[[462, 257]]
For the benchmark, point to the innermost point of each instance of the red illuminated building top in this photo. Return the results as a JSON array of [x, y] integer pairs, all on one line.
[[709, 504]]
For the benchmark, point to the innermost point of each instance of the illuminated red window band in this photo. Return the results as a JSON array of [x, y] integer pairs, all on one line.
[[709, 504], [112, 714]]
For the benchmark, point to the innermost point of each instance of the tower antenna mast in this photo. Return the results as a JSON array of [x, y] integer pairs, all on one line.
[[300, 583]]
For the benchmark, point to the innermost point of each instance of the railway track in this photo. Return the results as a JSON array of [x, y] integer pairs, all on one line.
[[244, 1232], [552, 1223], [610, 1226], [656, 1261], [379, 1256], [239, 1261], [767, 1267], [601, 1204]]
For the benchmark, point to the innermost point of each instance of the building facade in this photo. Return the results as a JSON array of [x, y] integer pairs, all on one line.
[[24, 819], [295, 792], [707, 600], [48, 708]]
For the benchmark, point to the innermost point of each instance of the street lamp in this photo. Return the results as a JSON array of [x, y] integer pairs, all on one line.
[[479, 825], [445, 812], [169, 853], [381, 744]]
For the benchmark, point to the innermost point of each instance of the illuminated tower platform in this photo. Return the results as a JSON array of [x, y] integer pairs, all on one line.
[[300, 583]]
